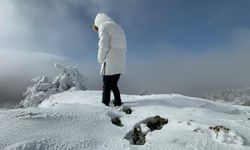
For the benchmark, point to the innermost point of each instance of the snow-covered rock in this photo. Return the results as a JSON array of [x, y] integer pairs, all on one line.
[[68, 78], [78, 120]]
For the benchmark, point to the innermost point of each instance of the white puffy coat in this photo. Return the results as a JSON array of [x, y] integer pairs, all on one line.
[[112, 45]]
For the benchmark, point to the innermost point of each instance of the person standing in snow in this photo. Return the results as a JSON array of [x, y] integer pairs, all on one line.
[[111, 55]]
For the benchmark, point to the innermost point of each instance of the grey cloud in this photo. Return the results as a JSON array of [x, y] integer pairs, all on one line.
[[172, 70], [33, 36], [18, 67], [45, 25]]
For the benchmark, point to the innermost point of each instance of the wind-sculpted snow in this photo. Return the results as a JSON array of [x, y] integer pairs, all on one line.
[[64, 127], [45, 144], [78, 120]]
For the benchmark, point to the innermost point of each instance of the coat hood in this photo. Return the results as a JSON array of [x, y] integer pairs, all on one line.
[[101, 18]]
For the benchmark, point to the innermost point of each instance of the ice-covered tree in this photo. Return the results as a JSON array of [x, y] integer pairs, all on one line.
[[35, 94], [237, 96], [68, 78]]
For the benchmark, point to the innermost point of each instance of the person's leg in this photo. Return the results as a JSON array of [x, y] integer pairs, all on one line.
[[116, 90], [107, 86]]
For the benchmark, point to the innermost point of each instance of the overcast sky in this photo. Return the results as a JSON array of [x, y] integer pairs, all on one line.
[[174, 46]]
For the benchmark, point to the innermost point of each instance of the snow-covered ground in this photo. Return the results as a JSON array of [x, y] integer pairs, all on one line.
[[77, 120]]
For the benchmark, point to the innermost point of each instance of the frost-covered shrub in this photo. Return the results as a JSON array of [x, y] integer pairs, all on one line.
[[237, 96], [242, 100], [68, 78], [35, 94]]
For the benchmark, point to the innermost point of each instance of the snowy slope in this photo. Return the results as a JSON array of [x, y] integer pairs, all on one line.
[[77, 120]]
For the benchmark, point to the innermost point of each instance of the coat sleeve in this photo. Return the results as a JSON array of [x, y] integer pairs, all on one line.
[[103, 45]]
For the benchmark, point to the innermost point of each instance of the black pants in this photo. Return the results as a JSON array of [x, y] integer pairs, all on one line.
[[110, 84]]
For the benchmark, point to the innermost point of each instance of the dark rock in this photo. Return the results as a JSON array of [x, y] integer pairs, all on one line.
[[127, 110], [156, 123], [137, 137], [116, 121], [218, 128]]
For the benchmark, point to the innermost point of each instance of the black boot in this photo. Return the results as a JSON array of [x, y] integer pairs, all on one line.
[[117, 103]]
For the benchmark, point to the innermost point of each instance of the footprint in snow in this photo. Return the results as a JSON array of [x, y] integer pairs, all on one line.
[[218, 133], [115, 118]]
